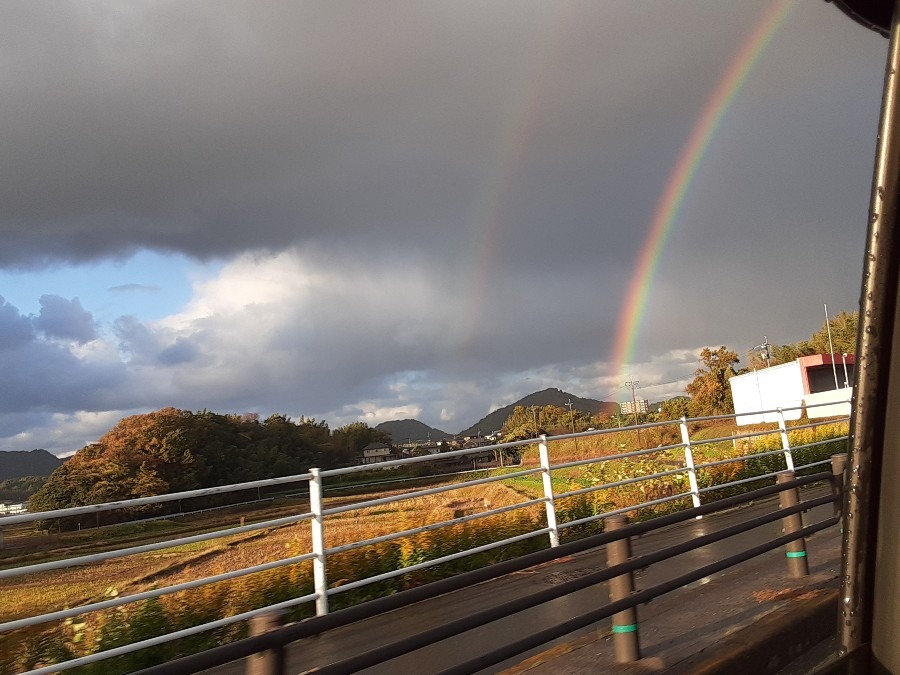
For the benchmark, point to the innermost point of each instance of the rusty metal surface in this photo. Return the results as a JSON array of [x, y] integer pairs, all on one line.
[[876, 326]]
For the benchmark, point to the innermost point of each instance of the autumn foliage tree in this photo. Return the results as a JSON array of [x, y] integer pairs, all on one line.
[[710, 392], [173, 450]]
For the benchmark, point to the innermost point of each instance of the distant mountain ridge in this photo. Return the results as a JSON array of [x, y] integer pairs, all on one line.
[[21, 463], [553, 396], [405, 430]]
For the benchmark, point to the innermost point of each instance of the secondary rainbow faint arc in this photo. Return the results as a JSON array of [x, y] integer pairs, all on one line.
[[683, 174]]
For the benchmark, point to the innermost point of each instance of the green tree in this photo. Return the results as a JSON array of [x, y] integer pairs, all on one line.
[[710, 392], [843, 334], [675, 408]]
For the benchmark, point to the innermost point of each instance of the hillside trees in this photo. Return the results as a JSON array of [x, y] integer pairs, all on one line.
[[843, 340], [532, 421], [710, 392], [173, 450]]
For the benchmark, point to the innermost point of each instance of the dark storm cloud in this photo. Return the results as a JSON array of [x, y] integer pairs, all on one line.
[[65, 319], [215, 127]]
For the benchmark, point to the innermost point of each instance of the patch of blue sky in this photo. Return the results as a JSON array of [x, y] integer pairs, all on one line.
[[147, 285]]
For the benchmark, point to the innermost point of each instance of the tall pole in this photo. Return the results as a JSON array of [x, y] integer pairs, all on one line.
[[831, 348], [569, 404]]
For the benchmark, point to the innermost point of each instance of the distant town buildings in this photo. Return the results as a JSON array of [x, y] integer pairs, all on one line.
[[642, 405]]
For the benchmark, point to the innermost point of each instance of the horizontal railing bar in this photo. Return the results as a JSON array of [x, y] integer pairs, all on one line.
[[437, 561], [433, 526], [428, 491], [155, 593], [624, 509], [736, 437], [811, 464], [142, 501], [624, 455], [626, 481], [721, 486], [613, 430], [146, 548], [359, 468], [742, 458], [822, 442], [607, 458]]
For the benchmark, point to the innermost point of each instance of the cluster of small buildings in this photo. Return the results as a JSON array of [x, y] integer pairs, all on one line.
[[375, 453], [7, 509]]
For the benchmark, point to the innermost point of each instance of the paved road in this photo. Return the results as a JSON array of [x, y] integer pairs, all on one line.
[[360, 637]]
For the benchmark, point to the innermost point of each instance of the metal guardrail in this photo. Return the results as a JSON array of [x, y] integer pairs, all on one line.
[[319, 512], [277, 639]]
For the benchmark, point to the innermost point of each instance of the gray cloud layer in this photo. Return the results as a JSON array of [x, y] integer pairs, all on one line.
[[461, 189]]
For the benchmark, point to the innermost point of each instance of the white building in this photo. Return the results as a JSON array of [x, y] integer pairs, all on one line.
[[808, 381], [628, 407]]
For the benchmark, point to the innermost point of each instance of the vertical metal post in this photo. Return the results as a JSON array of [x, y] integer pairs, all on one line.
[[869, 417], [795, 551], [626, 642], [689, 463], [838, 468], [271, 661], [317, 531], [549, 503], [785, 441]]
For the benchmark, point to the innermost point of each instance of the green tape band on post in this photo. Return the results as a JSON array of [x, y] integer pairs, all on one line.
[[630, 628], [796, 554]]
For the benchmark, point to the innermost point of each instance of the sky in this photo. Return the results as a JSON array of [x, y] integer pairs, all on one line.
[[356, 211]]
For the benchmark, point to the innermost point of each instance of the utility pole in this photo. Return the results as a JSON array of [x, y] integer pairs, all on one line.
[[569, 405], [633, 384], [764, 348]]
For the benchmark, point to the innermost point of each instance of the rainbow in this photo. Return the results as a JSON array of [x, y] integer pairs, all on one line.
[[681, 177]]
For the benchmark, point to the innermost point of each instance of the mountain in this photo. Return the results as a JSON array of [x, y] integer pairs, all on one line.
[[404, 430], [494, 421], [20, 463]]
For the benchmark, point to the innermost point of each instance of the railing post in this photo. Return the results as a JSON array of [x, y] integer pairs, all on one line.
[[271, 661], [795, 551], [317, 530], [785, 441], [689, 462], [549, 503], [626, 642], [838, 465]]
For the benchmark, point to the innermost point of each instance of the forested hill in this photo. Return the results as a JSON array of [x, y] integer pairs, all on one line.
[[172, 450], [402, 430], [18, 464], [555, 397]]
